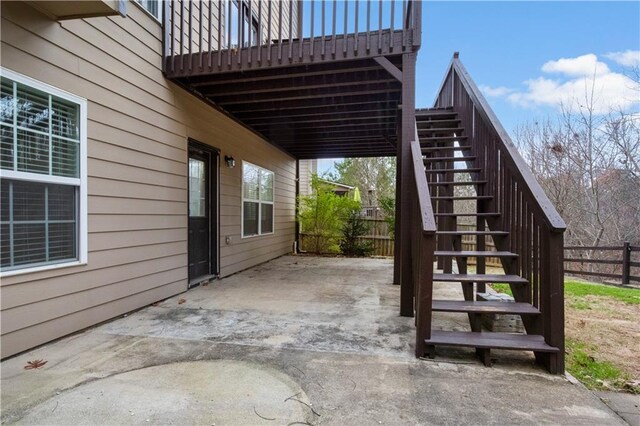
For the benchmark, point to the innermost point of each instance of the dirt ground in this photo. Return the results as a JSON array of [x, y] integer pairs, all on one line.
[[611, 326]]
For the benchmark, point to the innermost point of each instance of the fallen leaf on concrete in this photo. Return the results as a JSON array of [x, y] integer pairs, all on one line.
[[181, 301], [32, 365]]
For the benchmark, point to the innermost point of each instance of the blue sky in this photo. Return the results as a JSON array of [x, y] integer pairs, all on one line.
[[504, 45]]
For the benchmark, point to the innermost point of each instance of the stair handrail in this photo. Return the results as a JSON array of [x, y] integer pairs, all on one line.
[[551, 215], [427, 219], [423, 242]]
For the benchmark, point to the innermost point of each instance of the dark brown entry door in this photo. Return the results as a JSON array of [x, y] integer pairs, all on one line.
[[202, 213]]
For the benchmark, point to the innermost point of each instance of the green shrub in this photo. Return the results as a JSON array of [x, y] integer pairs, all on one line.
[[322, 215], [355, 227], [388, 206]]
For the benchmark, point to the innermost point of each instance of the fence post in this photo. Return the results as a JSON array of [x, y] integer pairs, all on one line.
[[626, 262]]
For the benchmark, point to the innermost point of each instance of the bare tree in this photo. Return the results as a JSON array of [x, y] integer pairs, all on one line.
[[588, 165]]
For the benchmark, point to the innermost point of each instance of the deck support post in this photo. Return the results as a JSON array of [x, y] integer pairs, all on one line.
[[405, 176], [396, 230]]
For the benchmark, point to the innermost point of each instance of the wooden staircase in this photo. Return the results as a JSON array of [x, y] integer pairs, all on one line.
[[451, 165]]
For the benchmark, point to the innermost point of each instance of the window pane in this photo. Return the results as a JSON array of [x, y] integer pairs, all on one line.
[[36, 238], [6, 147], [62, 241], [29, 243], [28, 200], [250, 182], [66, 156], [6, 100], [250, 218], [266, 186], [5, 251], [197, 188], [62, 202], [4, 200], [266, 219], [33, 108], [65, 119], [33, 152]]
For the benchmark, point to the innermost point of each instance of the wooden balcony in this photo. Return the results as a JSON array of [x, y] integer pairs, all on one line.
[[319, 79]]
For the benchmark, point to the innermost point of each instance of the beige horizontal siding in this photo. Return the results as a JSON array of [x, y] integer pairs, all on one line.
[[138, 126]]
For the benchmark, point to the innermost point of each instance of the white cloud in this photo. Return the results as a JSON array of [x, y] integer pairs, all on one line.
[[579, 66], [628, 58], [494, 92], [575, 81], [610, 91]]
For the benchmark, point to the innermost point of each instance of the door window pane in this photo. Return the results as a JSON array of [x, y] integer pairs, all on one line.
[[197, 188]]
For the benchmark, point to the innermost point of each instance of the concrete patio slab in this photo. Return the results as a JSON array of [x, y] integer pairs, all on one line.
[[323, 332]]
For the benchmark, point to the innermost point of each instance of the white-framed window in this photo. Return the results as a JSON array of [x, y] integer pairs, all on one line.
[[154, 7], [257, 200], [43, 176]]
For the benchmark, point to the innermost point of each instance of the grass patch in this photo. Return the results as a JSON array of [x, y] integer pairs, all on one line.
[[581, 305], [594, 374], [502, 288], [579, 289]]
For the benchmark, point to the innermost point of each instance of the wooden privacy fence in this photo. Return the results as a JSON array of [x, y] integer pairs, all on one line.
[[378, 236], [619, 262]]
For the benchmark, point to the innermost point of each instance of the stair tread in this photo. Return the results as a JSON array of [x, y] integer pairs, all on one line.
[[490, 340], [444, 129], [488, 307], [445, 148], [472, 233], [466, 197], [449, 159], [453, 170], [469, 253], [480, 278], [468, 214], [442, 122], [435, 113], [438, 138], [471, 182]]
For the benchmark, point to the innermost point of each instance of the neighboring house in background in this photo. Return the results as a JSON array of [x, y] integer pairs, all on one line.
[[306, 169], [339, 189]]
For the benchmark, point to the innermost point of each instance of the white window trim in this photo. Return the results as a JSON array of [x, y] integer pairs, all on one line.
[[260, 202], [35, 177], [160, 10]]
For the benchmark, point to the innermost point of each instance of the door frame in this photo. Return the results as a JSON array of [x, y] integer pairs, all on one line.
[[213, 206]]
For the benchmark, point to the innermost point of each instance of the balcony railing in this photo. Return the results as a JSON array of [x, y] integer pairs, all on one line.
[[232, 35]]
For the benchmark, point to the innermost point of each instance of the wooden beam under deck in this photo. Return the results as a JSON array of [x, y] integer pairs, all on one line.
[[320, 110]]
